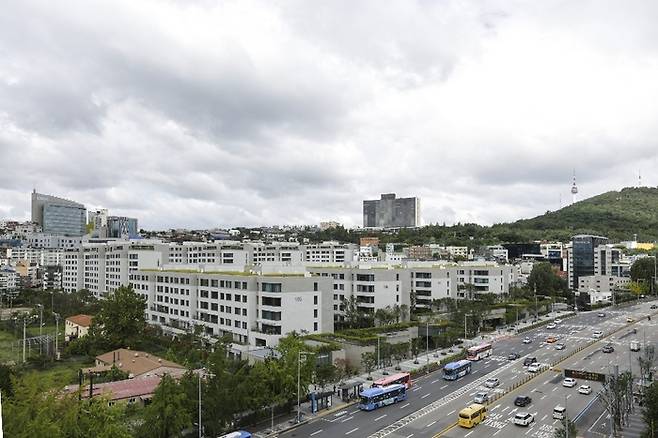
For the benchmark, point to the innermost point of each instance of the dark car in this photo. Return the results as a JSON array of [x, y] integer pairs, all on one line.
[[608, 348], [522, 400], [529, 361], [654, 306], [513, 356]]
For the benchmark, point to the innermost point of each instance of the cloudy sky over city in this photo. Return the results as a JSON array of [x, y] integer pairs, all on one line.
[[222, 113]]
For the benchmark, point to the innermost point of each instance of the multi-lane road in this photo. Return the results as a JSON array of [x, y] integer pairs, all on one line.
[[433, 403]]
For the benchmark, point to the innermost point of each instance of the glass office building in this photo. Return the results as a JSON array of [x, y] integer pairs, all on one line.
[[582, 254], [58, 215]]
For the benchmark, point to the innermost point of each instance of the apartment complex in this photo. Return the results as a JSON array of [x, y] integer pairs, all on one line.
[[58, 215], [391, 212], [251, 307]]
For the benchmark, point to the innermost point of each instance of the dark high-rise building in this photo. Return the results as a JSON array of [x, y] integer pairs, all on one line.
[[58, 215], [391, 212], [581, 257]]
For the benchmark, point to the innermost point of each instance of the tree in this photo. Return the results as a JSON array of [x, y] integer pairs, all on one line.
[[562, 431], [326, 374], [355, 318], [650, 410], [404, 312], [546, 282], [646, 361], [167, 415], [643, 270], [400, 352], [369, 361], [120, 321]]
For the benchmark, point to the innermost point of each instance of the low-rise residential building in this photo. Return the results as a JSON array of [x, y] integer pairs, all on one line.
[[76, 326], [137, 364], [130, 391], [602, 283]]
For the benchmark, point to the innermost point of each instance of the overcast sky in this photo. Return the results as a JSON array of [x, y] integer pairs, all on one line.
[[210, 113]]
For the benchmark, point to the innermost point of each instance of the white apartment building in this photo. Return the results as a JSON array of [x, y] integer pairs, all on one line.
[[252, 308], [49, 240], [602, 283], [9, 279], [103, 267], [40, 256], [331, 252], [375, 287], [610, 261]]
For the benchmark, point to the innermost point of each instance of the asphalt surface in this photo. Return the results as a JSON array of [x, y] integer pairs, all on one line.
[[433, 403]]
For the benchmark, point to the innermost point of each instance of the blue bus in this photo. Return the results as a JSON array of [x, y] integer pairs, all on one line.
[[456, 370], [373, 398], [237, 434]]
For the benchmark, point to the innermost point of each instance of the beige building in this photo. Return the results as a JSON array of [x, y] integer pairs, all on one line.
[[137, 364], [77, 326]]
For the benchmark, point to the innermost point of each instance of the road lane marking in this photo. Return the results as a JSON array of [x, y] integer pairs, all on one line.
[[555, 389], [475, 371], [410, 435], [416, 388], [469, 433], [434, 381], [495, 407], [496, 433], [544, 417], [426, 395], [353, 430], [380, 417], [316, 432], [430, 425], [347, 419], [506, 408], [444, 386], [542, 397], [404, 406]]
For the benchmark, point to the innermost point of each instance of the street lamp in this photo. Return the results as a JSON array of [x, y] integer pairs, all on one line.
[[299, 360]]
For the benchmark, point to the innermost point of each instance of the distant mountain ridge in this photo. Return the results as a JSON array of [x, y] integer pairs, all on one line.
[[616, 214]]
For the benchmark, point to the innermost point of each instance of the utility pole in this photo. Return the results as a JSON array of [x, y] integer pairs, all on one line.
[[378, 360], [536, 309], [40, 306], [199, 404], [299, 360], [24, 328], [56, 333], [427, 343], [566, 417]]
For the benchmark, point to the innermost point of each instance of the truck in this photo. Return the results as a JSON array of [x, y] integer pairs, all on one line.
[[635, 346]]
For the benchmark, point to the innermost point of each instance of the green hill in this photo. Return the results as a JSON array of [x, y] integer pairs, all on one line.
[[617, 215]]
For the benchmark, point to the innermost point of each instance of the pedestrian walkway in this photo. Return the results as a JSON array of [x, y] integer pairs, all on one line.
[[340, 407]]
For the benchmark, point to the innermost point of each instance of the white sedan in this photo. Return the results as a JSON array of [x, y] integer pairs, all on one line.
[[551, 326], [585, 389], [569, 382]]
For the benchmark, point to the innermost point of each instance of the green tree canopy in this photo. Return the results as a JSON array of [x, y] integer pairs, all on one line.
[[120, 321], [547, 282], [643, 270], [167, 415]]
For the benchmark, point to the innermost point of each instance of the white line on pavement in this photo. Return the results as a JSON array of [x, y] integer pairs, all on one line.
[[496, 433], [543, 397], [316, 432], [426, 395], [495, 407], [347, 419], [469, 433], [434, 381], [453, 411], [544, 417], [506, 408], [404, 406], [475, 371], [353, 430], [416, 388], [410, 435], [380, 417], [554, 389], [444, 386], [430, 425], [546, 382]]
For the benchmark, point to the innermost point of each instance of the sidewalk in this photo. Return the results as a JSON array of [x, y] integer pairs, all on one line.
[[340, 408]]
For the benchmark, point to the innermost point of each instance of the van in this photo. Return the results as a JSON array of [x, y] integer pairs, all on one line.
[[529, 361], [472, 415], [559, 412]]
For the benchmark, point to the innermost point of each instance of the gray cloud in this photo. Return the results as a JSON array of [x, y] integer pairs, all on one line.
[[204, 114]]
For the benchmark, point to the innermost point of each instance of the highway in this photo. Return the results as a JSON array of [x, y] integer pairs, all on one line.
[[433, 403]]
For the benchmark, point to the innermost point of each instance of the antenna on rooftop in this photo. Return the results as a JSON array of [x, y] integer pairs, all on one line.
[[639, 178]]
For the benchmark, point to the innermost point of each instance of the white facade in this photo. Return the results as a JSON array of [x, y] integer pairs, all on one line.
[[9, 278], [49, 240], [602, 283], [250, 308]]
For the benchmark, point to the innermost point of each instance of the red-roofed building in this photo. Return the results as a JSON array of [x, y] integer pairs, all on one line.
[[77, 326], [129, 391]]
